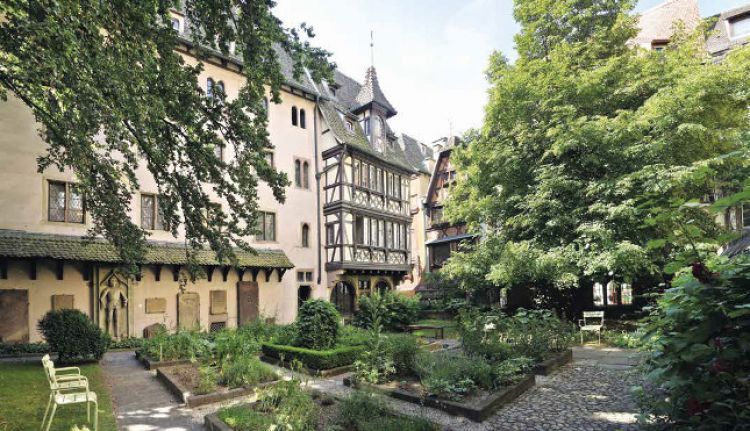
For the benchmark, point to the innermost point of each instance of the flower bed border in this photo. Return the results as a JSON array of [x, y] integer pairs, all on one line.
[[194, 400], [477, 412], [326, 372], [152, 364], [545, 368]]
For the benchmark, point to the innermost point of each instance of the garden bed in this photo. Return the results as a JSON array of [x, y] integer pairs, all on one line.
[[477, 407], [322, 363], [550, 365], [329, 409], [182, 381], [153, 364]]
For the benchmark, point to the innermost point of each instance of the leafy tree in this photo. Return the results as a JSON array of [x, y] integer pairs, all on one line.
[[112, 92], [594, 154]]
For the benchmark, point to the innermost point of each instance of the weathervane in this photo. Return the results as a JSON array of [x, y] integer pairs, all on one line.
[[372, 50]]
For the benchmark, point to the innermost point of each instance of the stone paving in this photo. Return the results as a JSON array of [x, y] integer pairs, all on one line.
[[591, 394]]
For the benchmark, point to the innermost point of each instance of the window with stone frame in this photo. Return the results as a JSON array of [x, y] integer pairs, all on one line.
[[219, 152], [294, 116], [152, 215], [269, 159], [740, 26], [305, 235], [65, 202], [266, 226], [302, 119], [305, 175], [297, 173]]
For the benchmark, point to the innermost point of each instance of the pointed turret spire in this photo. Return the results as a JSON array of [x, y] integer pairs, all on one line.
[[371, 93]]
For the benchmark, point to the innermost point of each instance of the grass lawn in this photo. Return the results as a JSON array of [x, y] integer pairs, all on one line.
[[24, 392], [450, 328]]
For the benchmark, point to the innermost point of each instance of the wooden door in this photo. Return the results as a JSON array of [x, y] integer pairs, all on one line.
[[14, 309], [248, 307]]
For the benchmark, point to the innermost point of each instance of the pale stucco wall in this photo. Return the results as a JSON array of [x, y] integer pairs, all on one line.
[[23, 206]]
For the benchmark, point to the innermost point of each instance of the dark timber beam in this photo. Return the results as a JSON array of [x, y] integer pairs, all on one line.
[[139, 274], [157, 272], [280, 272], [176, 272], [240, 273], [255, 272], [32, 269], [210, 272], [59, 269], [225, 272], [268, 272], [4, 269], [87, 270]]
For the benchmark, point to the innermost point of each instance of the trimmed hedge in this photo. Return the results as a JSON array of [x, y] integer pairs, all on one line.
[[314, 359], [19, 349]]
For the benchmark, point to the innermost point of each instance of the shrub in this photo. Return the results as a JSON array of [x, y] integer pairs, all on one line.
[[73, 335], [536, 334], [184, 344], [284, 334], [699, 334], [246, 371], [244, 418], [293, 407], [403, 349], [207, 379], [15, 349], [375, 363], [314, 359], [230, 344], [318, 325], [452, 376], [364, 411], [353, 336], [127, 343], [394, 310]]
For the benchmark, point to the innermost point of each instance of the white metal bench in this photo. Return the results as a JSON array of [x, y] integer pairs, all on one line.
[[593, 321]]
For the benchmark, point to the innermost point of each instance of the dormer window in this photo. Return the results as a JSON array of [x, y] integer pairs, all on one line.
[[739, 26], [659, 45], [176, 24], [210, 88], [349, 126]]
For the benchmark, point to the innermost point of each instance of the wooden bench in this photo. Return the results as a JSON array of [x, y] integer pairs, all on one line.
[[439, 330]]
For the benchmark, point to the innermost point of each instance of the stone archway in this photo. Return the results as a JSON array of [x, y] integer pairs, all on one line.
[[113, 305], [382, 286]]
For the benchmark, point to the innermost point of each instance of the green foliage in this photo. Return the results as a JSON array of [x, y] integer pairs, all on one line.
[[364, 411], [154, 116], [243, 418], [623, 339], [394, 310], [183, 344], [230, 344], [353, 336], [126, 343], [73, 335], [532, 333], [318, 325], [246, 371], [207, 380], [314, 359], [16, 349], [293, 408], [375, 363], [699, 335], [591, 147], [403, 349]]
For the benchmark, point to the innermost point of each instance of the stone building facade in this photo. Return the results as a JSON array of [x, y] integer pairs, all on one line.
[[344, 230]]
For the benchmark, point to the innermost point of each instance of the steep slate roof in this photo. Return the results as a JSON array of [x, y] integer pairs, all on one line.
[[370, 92], [19, 244], [719, 42], [657, 23], [416, 153]]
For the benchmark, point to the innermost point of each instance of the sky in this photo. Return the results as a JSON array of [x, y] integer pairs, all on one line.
[[430, 55]]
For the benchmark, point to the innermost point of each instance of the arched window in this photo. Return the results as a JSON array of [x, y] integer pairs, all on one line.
[[306, 175], [297, 174], [305, 235], [220, 89], [265, 105], [382, 287], [210, 88], [302, 122], [294, 115], [342, 297]]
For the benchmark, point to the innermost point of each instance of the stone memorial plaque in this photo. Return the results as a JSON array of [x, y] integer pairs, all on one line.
[[14, 309], [61, 302], [188, 310], [218, 302], [156, 305], [247, 301]]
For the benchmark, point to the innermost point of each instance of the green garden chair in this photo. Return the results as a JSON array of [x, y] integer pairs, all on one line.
[[72, 388]]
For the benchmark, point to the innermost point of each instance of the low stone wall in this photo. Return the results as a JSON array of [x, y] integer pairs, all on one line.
[[193, 400], [549, 366]]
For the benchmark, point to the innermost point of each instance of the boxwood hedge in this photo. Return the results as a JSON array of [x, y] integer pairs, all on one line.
[[314, 359]]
